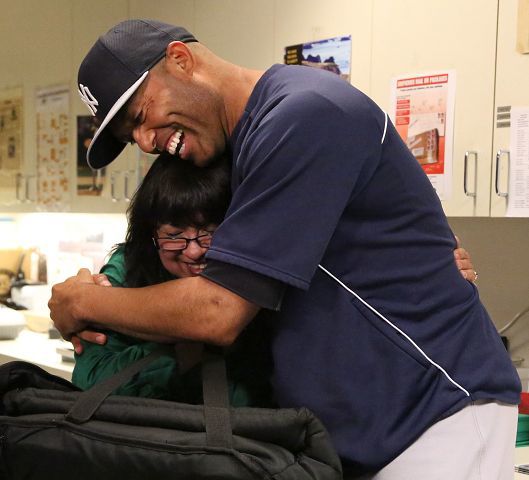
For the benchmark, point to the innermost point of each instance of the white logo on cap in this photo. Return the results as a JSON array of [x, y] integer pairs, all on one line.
[[88, 98]]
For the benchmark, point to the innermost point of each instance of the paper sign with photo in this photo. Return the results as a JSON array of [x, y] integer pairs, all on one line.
[[422, 109]]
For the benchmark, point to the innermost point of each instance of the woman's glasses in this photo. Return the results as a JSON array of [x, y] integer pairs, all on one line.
[[174, 244]]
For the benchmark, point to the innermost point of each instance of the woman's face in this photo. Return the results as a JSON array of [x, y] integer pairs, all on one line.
[[179, 259]]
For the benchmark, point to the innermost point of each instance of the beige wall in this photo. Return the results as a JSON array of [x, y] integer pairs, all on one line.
[[500, 252]]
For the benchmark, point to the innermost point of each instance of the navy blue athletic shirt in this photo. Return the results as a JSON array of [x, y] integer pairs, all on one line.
[[378, 332]]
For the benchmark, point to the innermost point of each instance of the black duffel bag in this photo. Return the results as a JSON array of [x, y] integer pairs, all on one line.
[[50, 429]]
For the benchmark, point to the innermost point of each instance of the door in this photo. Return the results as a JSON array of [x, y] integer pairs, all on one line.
[[512, 90]]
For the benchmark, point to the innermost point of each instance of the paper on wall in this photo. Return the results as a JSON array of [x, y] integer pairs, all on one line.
[[518, 199], [53, 144], [422, 109], [11, 134]]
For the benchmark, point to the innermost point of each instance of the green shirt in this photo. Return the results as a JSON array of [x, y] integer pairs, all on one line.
[[247, 362]]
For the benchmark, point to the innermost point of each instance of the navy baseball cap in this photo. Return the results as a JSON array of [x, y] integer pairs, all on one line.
[[113, 70]]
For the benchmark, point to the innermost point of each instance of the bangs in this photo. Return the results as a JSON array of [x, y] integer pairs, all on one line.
[[188, 207]]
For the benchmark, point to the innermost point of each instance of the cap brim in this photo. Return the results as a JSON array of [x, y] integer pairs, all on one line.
[[103, 150], [104, 147]]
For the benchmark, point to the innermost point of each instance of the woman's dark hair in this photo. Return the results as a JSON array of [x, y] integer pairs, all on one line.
[[177, 193]]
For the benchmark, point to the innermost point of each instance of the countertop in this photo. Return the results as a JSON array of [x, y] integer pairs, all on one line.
[[39, 349]]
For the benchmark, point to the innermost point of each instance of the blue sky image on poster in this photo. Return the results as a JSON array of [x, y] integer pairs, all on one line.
[[333, 54]]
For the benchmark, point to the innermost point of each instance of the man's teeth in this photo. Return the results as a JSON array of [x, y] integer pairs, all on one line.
[[173, 144]]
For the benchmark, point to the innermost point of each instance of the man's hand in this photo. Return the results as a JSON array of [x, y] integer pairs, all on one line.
[[463, 262], [63, 302]]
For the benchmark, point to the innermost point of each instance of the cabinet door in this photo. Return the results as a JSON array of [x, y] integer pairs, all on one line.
[[239, 31], [512, 74], [18, 191], [107, 194], [414, 36], [111, 187], [29, 65]]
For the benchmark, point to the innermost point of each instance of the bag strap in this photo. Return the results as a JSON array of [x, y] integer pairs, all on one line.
[[90, 400], [214, 386], [216, 398]]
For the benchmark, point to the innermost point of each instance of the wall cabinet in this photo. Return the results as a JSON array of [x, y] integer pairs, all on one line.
[[29, 52], [18, 190], [87, 26], [476, 38], [119, 180], [512, 74], [413, 36]]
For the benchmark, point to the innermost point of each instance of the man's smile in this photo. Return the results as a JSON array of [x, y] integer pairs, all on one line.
[[176, 143]]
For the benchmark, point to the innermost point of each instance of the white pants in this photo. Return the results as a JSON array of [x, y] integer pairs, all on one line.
[[476, 443]]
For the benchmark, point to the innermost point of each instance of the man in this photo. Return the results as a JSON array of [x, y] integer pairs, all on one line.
[[334, 226]]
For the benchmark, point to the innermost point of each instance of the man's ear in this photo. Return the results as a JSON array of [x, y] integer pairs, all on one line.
[[178, 55]]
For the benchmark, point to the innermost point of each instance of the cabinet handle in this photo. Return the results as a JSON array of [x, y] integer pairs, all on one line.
[[28, 198], [113, 196], [126, 176], [468, 153], [26, 190], [497, 176], [18, 184]]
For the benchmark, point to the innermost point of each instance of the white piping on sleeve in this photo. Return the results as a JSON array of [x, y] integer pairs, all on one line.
[[395, 328], [385, 127]]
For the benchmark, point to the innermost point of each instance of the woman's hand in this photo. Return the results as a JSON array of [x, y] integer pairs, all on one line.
[[464, 263]]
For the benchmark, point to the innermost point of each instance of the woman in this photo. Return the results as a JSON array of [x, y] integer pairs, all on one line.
[[171, 221]]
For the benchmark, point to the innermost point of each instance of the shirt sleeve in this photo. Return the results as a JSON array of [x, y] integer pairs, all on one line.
[[99, 362], [295, 173], [252, 286], [114, 269]]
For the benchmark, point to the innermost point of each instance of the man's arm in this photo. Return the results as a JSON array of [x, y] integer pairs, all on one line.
[[190, 308], [193, 308]]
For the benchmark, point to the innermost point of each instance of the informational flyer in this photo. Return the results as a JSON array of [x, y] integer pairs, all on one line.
[[53, 147], [11, 134], [422, 109], [333, 54], [518, 199]]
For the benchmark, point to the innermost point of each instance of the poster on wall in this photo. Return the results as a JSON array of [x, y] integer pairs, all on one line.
[[422, 109], [333, 54], [52, 109], [89, 182], [11, 134], [518, 199]]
